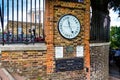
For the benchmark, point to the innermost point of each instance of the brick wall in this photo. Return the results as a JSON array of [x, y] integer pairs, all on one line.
[[55, 10], [73, 75], [42, 63], [29, 64]]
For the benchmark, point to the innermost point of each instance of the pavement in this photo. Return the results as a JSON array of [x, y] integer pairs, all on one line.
[[114, 72], [113, 78]]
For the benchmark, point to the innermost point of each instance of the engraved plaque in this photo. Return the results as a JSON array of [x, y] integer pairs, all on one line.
[[69, 64], [58, 52], [69, 49]]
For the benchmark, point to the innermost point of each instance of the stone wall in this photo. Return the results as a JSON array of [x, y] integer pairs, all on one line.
[[99, 61]]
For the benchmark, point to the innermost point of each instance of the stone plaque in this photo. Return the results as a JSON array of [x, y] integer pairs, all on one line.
[[69, 49], [79, 51], [69, 64], [58, 52]]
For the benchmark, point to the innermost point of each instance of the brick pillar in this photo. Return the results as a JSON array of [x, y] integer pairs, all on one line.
[[87, 37], [49, 35]]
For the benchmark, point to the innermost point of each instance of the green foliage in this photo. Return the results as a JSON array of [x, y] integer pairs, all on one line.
[[0, 32], [39, 78], [102, 5], [115, 37], [115, 4]]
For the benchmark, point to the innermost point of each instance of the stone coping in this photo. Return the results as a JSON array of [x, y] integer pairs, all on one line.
[[23, 47], [99, 44], [7, 74]]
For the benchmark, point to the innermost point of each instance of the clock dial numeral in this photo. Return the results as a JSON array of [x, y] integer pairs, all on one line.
[[69, 26]]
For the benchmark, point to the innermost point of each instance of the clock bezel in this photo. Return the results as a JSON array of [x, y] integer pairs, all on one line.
[[79, 25]]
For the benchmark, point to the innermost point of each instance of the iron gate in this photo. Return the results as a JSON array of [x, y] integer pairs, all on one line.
[[22, 21]]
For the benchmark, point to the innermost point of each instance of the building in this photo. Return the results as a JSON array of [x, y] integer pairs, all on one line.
[[23, 30], [36, 16], [18, 26]]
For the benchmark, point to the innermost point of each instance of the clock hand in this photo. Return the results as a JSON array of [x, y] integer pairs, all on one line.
[[70, 26]]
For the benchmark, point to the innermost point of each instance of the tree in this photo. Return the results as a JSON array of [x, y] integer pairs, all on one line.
[[115, 37], [100, 21], [116, 5]]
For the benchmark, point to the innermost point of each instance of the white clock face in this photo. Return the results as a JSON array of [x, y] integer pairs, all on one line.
[[69, 26]]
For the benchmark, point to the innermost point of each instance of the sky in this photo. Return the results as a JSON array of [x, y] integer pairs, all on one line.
[[115, 21], [19, 9]]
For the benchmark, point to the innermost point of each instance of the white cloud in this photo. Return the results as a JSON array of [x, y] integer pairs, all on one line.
[[115, 20]]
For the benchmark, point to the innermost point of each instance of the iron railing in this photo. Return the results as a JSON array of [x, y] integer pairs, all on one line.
[[100, 30], [22, 21]]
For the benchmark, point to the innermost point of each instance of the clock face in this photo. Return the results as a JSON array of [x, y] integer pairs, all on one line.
[[69, 26]]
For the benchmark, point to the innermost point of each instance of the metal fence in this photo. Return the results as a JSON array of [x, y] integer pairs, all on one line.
[[22, 21], [100, 30]]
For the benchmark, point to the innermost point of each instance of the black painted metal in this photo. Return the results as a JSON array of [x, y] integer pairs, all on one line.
[[69, 64], [100, 27], [30, 31], [35, 20], [2, 19], [17, 19], [39, 18], [26, 21], [8, 19], [12, 21], [11, 34], [22, 17]]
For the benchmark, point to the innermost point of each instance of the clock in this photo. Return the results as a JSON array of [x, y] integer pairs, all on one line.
[[69, 26]]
